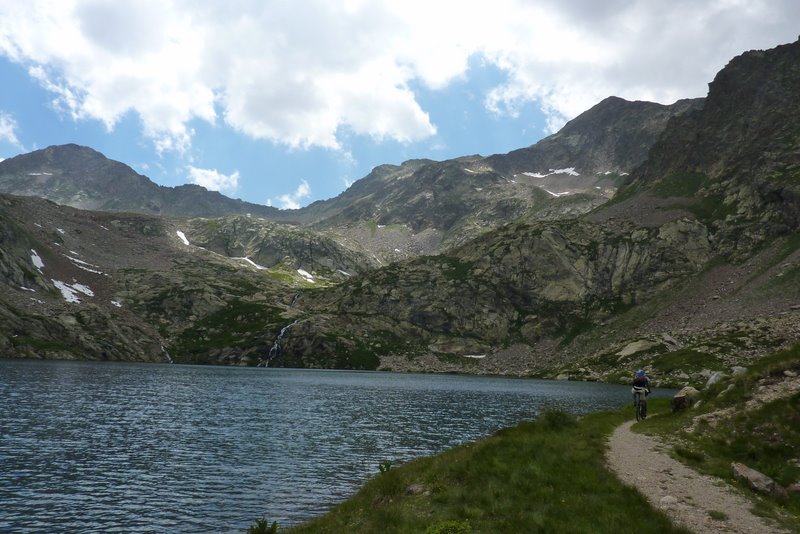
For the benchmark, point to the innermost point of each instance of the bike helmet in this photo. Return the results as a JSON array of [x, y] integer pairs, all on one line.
[[640, 372]]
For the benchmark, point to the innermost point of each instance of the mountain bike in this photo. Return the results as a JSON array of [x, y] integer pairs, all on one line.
[[640, 402]]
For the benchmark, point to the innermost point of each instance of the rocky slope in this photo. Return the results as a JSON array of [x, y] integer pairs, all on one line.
[[112, 286]]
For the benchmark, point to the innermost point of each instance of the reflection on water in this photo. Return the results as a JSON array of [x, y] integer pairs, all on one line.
[[94, 447]]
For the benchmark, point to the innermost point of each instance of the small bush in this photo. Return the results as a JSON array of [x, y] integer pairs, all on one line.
[[261, 527], [384, 466], [717, 516], [690, 455]]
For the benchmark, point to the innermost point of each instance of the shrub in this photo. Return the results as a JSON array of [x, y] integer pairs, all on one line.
[[260, 527]]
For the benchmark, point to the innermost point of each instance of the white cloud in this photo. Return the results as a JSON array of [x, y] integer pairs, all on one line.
[[297, 72], [291, 201], [8, 130], [214, 180]]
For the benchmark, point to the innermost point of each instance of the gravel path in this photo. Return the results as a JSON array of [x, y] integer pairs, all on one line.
[[686, 496]]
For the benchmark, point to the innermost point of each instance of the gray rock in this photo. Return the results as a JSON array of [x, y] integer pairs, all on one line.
[[684, 398], [668, 500], [416, 489], [714, 378], [757, 481]]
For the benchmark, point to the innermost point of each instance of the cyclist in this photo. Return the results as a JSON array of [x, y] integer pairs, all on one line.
[[640, 381]]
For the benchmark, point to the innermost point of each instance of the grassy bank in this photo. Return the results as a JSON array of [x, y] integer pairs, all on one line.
[[543, 476]]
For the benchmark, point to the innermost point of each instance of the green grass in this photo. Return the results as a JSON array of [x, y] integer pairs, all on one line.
[[543, 476], [681, 185]]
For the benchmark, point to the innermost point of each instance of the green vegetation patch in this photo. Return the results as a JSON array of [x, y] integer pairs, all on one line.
[[239, 324], [454, 268], [687, 360], [684, 184], [543, 476]]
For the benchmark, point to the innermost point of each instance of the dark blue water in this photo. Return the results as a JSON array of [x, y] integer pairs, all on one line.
[[98, 447]]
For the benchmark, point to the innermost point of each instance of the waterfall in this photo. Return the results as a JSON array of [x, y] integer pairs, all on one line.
[[276, 347], [294, 298], [166, 354]]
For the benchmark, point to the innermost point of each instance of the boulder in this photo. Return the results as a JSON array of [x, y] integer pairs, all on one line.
[[416, 489], [714, 378], [757, 481], [684, 398], [637, 346]]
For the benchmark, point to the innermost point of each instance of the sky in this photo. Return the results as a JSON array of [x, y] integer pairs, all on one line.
[[283, 103]]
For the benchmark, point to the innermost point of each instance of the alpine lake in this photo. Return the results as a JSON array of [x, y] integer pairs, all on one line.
[[99, 447]]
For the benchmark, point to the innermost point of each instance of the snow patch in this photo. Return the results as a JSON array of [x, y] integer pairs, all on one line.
[[40, 174], [472, 172], [116, 303], [183, 237], [568, 170], [104, 228], [397, 250], [475, 356], [80, 264], [39, 225], [60, 231], [559, 194], [251, 262], [343, 272], [36, 260], [27, 289], [70, 291], [306, 275]]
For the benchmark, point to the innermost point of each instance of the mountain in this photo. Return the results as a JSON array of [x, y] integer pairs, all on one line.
[[81, 177], [695, 264], [441, 204], [692, 268], [417, 208]]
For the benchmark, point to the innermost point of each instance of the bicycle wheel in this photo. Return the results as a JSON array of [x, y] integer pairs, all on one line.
[[637, 407]]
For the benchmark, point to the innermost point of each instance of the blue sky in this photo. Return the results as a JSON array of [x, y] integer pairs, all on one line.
[[285, 103]]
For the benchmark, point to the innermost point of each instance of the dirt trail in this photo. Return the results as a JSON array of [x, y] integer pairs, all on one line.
[[686, 496]]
